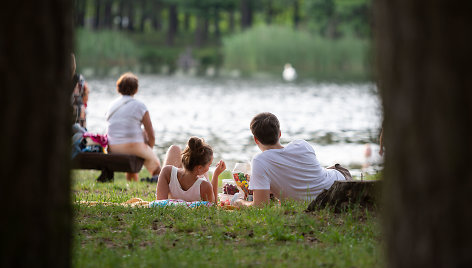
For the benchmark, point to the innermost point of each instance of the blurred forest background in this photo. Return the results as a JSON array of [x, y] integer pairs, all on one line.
[[322, 39]]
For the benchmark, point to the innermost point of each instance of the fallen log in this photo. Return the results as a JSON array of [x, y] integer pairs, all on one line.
[[343, 194]]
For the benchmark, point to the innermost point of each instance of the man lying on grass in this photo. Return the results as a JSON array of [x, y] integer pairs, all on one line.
[[290, 172]]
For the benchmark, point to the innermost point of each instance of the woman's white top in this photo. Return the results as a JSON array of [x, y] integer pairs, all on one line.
[[124, 124], [176, 191]]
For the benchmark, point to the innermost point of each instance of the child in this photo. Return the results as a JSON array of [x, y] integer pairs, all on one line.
[[185, 175]]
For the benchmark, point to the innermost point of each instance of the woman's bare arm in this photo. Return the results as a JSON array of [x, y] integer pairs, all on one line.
[[149, 130], [162, 190]]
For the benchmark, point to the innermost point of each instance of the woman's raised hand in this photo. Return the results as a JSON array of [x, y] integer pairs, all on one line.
[[220, 167]]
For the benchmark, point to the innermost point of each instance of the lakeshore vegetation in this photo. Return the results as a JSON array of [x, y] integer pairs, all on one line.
[[323, 39]]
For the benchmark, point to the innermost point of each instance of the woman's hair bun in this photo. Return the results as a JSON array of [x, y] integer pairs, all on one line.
[[196, 153], [195, 143]]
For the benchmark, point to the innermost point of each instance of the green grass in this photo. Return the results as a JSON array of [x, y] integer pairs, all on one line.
[[278, 236]]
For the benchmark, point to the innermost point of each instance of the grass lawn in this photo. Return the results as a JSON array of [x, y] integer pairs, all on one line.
[[277, 236]]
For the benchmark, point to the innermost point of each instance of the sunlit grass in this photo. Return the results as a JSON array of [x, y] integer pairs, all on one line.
[[280, 236]]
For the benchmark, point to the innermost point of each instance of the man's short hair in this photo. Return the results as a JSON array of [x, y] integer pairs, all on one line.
[[127, 84], [266, 128]]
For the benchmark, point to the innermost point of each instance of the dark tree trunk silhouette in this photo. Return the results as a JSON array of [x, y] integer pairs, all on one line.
[[231, 21], [246, 13], [96, 19], [80, 13], [296, 13], [107, 15], [269, 12], [130, 9], [201, 32], [424, 78], [121, 13], [36, 124], [216, 23], [173, 24], [186, 22], [144, 15], [156, 15]]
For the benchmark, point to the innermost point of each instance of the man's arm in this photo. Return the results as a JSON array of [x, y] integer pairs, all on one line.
[[260, 197]]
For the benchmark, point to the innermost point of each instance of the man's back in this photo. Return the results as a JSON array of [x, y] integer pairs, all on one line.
[[291, 172]]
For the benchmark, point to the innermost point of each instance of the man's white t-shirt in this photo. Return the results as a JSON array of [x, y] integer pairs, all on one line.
[[124, 125], [292, 172]]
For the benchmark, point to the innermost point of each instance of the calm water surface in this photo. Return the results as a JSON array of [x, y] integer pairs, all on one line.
[[337, 119]]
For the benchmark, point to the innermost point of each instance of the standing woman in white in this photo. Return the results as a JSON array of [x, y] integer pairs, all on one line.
[[125, 117]]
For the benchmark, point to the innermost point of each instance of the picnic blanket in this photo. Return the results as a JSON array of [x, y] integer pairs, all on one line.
[[138, 202]]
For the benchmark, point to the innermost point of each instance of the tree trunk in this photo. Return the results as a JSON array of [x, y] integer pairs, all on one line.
[[201, 32], [36, 121], [156, 16], [246, 14], [80, 13], [216, 23], [121, 13], [186, 22], [107, 16], [424, 69], [296, 13], [96, 19], [130, 8], [144, 16], [173, 24], [343, 194], [269, 12], [231, 21]]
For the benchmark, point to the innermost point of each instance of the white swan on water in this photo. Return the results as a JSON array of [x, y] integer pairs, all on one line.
[[289, 74]]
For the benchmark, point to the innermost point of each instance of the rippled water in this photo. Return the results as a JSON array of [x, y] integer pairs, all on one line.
[[338, 120]]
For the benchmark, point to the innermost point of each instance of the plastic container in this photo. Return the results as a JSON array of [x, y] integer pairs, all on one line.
[[241, 175]]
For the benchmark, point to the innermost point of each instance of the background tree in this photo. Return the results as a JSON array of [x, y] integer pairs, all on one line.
[[36, 118], [424, 72]]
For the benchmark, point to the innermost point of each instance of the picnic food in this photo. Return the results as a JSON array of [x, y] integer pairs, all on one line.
[[242, 180], [230, 189]]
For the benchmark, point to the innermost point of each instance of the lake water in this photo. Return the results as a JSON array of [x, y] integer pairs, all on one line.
[[337, 119]]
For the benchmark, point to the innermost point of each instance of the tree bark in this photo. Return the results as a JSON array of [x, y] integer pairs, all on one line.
[[36, 120], [343, 194], [424, 57]]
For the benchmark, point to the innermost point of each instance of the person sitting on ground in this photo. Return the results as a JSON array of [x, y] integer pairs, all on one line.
[[80, 92], [124, 117], [185, 174], [290, 172]]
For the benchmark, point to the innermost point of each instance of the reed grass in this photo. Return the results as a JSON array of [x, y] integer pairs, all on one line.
[[267, 48]]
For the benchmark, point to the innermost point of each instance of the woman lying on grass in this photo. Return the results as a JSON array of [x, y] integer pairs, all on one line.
[[185, 175]]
